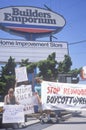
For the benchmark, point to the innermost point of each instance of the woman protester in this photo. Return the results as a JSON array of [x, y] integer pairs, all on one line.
[[10, 99]]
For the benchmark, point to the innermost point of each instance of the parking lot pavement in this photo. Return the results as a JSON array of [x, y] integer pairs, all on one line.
[[33, 119]]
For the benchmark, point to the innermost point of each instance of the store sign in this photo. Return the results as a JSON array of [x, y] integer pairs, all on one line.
[[30, 20], [27, 44], [32, 50]]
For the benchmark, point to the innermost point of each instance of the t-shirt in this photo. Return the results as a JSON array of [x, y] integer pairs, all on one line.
[[9, 100]]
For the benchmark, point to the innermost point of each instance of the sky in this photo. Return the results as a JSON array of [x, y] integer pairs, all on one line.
[[74, 32]]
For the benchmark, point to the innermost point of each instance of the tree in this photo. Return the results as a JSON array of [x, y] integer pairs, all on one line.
[[65, 65], [7, 78], [24, 62], [29, 65], [65, 68], [75, 71], [48, 68]]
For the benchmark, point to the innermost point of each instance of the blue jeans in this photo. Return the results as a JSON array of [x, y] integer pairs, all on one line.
[[36, 108]]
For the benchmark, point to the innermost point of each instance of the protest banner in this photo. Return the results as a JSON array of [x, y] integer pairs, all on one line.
[[13, 114], [65, 96], [23, 94], [21, 74]]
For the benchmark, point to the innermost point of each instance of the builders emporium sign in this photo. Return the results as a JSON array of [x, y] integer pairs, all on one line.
[[30, 19]]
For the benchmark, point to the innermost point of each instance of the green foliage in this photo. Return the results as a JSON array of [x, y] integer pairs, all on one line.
[[29, 65], [75, 71], [24, 62], [2, 87], [7, 78], [65, 65], [48, 68], [8, 69]]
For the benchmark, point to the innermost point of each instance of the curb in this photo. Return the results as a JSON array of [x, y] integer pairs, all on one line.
[[67, 116], [32, 122]]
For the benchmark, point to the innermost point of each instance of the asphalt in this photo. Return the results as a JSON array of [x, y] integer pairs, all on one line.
[[34, 119], [30, 120]]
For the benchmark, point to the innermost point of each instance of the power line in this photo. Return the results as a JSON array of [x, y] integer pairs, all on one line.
[[73, 43]]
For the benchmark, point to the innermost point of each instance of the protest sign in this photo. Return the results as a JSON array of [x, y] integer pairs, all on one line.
[[21, 74], [13, 114], [23, 94], [63, 96]]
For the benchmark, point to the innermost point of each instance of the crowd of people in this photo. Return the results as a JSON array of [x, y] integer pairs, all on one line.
[[10, 99]]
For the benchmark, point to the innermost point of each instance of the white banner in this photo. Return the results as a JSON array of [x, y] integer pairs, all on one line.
[[21, 74], [13, 114], [23, 94], [63, 96]]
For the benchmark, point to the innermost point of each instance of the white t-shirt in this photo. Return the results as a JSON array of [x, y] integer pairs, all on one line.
[[35, 100]]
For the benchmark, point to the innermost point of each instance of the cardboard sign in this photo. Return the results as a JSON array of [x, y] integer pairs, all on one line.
[[23, 94], [13, 114], [21, 74]]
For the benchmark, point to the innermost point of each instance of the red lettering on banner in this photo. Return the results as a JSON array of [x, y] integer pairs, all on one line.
[[53, 90], [67, 91], [75, 91]]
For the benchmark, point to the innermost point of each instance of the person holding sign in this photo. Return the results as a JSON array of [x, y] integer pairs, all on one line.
[[10, 98], [36, 101], [47, 114]]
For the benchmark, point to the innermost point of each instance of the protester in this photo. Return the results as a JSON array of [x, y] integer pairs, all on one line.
[[10, 99], [39, 80], [18, 84], [36, 102]]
